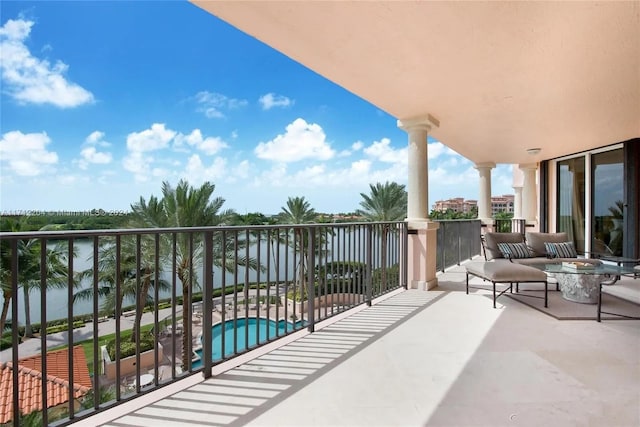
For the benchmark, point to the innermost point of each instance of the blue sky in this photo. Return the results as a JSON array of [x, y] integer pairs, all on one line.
[[102, 101]]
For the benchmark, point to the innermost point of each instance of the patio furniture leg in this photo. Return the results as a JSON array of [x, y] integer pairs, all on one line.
[[494, 294], [546, 298], [467, 283], [599, 301]]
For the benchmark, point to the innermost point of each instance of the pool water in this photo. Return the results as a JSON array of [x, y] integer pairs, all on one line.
[[259, 330]]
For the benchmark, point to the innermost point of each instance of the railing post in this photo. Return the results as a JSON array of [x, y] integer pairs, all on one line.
[[369, 257], [311, 267], [17, 398], [443, 252], [458, 226], [207, 306], [405, 255]]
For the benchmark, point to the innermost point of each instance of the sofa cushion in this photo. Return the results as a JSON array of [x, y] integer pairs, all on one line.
[[514, 250], [536, 241], [492, 239], [561, 250], [503, 271]]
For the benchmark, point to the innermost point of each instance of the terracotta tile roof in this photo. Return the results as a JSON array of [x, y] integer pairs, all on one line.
[[58, 365], [30, 382]]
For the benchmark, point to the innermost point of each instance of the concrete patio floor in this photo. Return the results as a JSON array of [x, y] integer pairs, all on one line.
[[416, 358]]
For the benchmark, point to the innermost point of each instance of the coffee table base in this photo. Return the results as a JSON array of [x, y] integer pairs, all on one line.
[[580, 288]]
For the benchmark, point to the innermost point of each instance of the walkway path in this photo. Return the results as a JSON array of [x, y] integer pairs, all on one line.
[[33, 346]]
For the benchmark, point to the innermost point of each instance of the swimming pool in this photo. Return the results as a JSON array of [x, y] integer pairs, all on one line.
[[257, 329]]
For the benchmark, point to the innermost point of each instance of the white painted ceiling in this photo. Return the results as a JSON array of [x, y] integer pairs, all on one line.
[[501, 77]]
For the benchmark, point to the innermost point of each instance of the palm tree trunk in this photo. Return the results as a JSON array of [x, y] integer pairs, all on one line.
[[5, 311], [183, 274], [140, 303], [28, 333]]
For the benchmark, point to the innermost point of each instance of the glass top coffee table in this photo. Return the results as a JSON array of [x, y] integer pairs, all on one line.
[[582, 282]]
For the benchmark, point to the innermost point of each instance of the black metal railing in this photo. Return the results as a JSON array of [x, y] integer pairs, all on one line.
[[458, 240], [510, 225], [160, 304]]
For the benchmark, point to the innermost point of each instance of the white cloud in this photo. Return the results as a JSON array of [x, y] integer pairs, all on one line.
[[155, 138], [242, 170], [158, 139], [96, 138], [196, 171], [300, 141], [271, 100], [356, 146], [276, 176], [90, 154], [139, 165], [29, 79], [437, 149], [210, 145], [383, 152], [26, 154], [213, 104], [137, 162]]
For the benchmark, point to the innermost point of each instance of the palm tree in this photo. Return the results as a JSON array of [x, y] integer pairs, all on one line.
[[57, 274], [132, 270], [186, 206], [299, 211], [29, 266], [386, 202]]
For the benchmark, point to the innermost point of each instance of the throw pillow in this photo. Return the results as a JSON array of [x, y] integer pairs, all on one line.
[[514, 250], [561, 250]]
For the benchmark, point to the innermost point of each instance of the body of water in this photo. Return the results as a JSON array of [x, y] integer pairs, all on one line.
[[57, 300]]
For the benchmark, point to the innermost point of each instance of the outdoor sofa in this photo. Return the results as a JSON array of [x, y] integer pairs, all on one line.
[[510, 257]]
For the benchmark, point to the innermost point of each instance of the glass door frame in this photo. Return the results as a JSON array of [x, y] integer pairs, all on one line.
[[554, 180]]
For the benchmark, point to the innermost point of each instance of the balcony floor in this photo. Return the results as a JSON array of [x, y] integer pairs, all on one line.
[[418, 358]]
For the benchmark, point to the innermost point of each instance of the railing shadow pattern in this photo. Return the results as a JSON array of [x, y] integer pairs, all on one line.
[[241, 394], [296, 275]]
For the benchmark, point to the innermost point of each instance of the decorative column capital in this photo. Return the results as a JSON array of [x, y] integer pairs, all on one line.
[[528, 166], [486, 165], [419, 123]]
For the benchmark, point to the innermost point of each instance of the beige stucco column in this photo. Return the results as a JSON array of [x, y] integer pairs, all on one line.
[[517, 202], [422, 232], [529, 193], [484, 198]]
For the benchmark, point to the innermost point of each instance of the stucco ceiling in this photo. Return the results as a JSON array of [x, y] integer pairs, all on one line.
[[500, 77]]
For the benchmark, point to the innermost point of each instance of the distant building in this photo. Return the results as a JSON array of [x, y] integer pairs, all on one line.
[[502, 203], [458, 204]]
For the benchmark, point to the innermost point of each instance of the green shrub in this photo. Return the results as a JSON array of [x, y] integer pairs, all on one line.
[[128, 348]]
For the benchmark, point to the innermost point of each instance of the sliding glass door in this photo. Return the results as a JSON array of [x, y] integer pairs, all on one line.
[[590, 201], [607, 174]]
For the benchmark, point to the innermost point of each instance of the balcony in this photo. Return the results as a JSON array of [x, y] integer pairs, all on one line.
[[144, 305], [364, 350]]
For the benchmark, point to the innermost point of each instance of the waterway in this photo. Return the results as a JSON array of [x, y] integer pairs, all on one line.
[[57, 300]]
